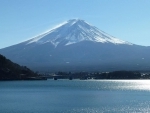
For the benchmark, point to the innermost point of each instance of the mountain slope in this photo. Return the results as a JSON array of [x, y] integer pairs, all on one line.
[[77, 46], [13, 71]]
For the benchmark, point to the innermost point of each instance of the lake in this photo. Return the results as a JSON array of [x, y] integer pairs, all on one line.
[[76, 96]]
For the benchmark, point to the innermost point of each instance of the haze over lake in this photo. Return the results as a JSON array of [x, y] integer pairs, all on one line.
[[76, 96]]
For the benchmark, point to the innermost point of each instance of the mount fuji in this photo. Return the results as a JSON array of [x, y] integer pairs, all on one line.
[[75, 45]]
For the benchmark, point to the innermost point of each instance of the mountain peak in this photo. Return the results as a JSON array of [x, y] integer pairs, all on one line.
[[78, 22], [74, 31], [75, 21]]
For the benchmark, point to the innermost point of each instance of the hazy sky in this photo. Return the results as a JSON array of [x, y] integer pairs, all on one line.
[[124, 19]]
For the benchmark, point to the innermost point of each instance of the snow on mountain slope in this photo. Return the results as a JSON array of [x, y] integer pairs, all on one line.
[[74, 31]]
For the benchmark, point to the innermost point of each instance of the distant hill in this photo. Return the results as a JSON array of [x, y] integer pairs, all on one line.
[[13, 71]]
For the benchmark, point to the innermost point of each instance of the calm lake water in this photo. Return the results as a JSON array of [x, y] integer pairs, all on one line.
[[76, 96]]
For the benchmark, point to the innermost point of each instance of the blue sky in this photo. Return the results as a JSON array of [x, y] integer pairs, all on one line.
[[124, 19]]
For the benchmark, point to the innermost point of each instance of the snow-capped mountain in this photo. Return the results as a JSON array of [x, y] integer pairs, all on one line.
[[74, 31], [75, 45]]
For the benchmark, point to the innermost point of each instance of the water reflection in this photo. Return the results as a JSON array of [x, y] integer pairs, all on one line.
[[76, 96], [132, 84]]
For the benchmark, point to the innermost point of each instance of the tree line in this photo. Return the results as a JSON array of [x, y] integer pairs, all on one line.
[[101, 75]]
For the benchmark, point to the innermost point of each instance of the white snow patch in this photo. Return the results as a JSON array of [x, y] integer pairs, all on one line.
[[69, 43]]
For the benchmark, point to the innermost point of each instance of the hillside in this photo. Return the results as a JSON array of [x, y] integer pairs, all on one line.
[[13, 71]]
